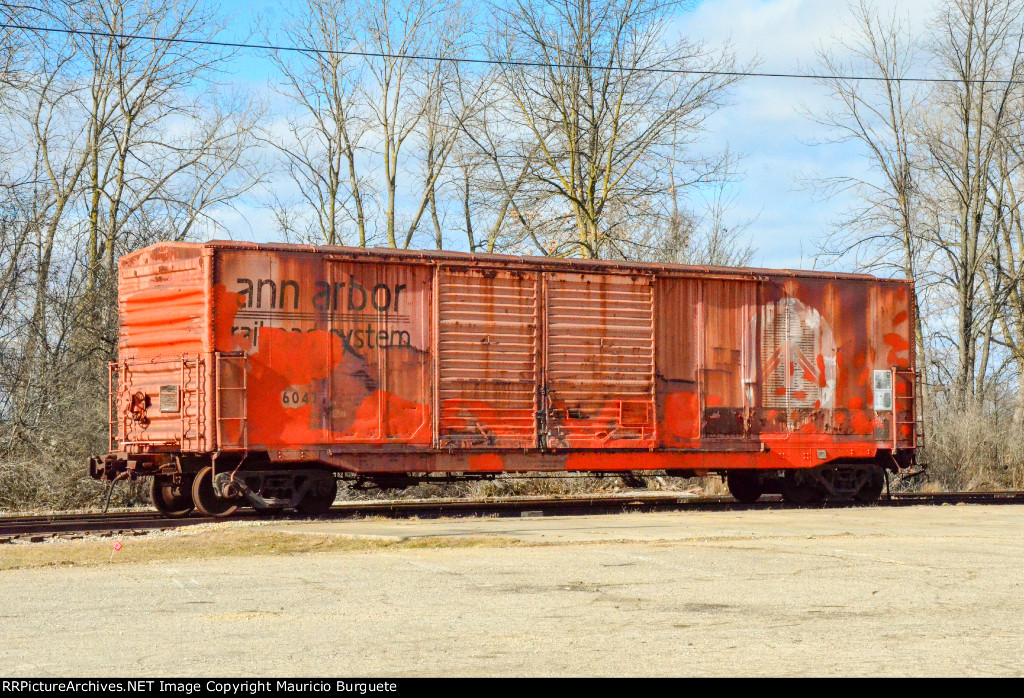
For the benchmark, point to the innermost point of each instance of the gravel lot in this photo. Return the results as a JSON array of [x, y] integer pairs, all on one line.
[[896, 591]]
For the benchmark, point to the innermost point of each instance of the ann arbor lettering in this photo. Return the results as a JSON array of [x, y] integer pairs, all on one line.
[[323, 305], [325, 296]]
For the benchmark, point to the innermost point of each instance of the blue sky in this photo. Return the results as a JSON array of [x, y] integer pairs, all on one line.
[[764, 123]]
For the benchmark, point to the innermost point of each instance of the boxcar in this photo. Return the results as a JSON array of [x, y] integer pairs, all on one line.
[[258, 374]]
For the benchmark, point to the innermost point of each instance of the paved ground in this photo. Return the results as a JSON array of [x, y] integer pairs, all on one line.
[[902, 591]]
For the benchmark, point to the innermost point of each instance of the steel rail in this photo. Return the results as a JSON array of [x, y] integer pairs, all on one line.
[[16, 527]]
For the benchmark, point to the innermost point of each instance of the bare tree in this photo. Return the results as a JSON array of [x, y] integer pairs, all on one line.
[[934, 203], [603, 92], [978, 43], [324, 140], [115, 142], [171, 147], [1003, 274], [407, 97], [881, 232]]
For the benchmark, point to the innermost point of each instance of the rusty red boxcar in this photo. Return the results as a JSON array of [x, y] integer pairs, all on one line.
[[257, 374]]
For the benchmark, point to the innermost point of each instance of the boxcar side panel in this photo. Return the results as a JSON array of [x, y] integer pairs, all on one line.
[[727, 365], [893, 333], [824, 343], [798, 346], [338, 351], [678, 352]]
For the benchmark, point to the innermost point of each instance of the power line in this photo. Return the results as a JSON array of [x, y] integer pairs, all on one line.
[[496, 62]]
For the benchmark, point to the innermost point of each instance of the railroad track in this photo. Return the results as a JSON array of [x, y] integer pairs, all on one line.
[[138, 522]]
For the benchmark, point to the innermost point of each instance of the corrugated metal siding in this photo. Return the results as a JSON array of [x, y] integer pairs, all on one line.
[[162, 324], [388, 339], [162, 304], [487, 358], [774, 350], [798, 363], [600, 360]]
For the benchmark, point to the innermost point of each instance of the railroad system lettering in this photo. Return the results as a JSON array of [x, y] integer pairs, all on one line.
[[325, 296], [364, 315]]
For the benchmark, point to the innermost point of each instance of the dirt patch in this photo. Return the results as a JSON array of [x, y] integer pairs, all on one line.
[[217, 542], [919, 591]]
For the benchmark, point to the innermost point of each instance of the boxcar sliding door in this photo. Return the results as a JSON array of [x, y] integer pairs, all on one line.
[[488, 346], [599, 361]]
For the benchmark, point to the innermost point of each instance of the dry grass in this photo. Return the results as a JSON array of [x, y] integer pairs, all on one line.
[[216, 542], [542, 484], [979, 448]]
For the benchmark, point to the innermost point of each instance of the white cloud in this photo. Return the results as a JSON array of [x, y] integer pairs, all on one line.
[[766, 124]]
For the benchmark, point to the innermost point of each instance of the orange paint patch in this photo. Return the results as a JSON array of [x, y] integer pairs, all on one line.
[[331, 396], [682, 416], [861, 423], [862, 378], [486, 462], [899, 345], [227, 305], [900, 317], [404, 420], [714, 401]]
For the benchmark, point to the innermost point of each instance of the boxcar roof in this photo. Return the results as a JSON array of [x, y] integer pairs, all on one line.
[[498, 260]]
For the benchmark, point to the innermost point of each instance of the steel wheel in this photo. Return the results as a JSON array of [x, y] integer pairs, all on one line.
[[206, 499], [320, 497], [170, 499], [800, 492], [745, 485], [872, 488]]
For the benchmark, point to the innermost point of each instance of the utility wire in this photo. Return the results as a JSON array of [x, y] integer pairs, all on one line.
[[496, 62]]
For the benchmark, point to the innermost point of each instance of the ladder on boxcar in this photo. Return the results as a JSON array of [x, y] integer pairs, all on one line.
[[908, 403], [193, 407], [231, 387]]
